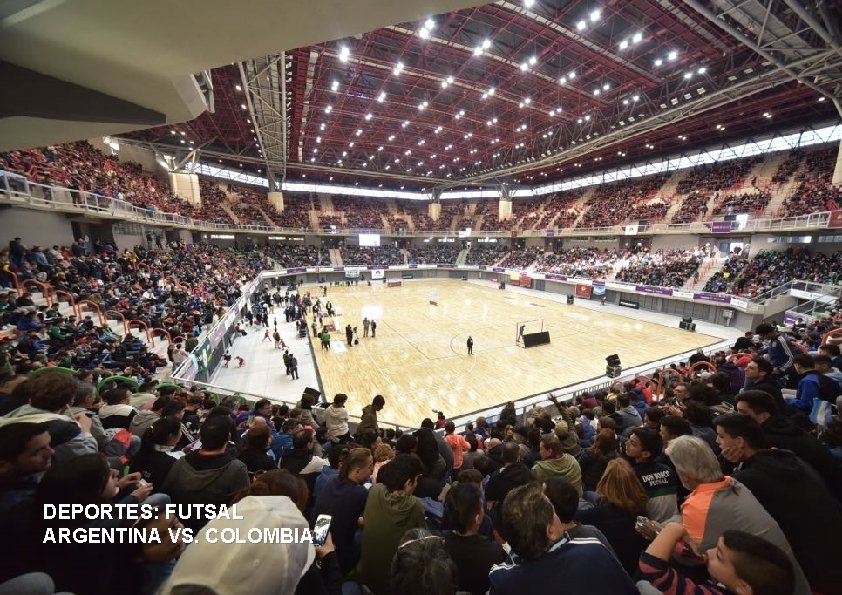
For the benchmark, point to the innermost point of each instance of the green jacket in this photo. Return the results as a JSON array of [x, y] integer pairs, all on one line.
[[388, 515], [565, 466]]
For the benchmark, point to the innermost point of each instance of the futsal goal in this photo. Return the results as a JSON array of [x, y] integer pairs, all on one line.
[[526, 327]]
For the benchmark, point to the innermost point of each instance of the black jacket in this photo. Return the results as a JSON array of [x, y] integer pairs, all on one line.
[[781, 432], [810, 517], [505, 480]]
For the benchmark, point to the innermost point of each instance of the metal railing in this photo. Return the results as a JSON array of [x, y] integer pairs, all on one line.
[[17, 189]]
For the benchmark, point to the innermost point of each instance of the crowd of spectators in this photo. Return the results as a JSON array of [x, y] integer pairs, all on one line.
[[594, 493], [717, 177], [369, 255], [814, 192], [693, 207], [360, 213], [769, 269], [398, 222], [435, 253], [333, 219], [583, 263], [485, 254], [296, 213], [289, 256], [788, 167], [521, 258], [664, 268], [745, 202], [625, 201], [212, 198], [251, 205]]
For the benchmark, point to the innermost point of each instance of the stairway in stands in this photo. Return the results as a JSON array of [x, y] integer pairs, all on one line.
[[230, 212], [579, 205], [710, 267]]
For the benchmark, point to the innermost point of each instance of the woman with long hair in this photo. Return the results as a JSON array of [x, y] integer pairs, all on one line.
[[336, 419], [344, 499], [594, 460], [157, 452], [621, 499]]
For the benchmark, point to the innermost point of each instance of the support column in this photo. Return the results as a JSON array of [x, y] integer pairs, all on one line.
[[276, 199], [836, 180], [434, 210], [186, 186]]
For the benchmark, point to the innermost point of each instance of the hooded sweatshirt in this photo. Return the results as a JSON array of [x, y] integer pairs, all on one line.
[[565, 466], [782, 433], [388, 515], [203, 479], [66, 437], [796, 497], [368, 420]]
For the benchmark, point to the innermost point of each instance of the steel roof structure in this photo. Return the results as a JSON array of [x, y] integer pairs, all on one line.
[[522, 91]]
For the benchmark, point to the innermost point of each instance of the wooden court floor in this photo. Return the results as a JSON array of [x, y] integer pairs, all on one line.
[[419, 360]]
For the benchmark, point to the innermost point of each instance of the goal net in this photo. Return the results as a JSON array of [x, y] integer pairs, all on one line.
[[526, 327]]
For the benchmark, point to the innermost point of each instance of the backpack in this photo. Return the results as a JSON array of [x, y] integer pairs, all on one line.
[[828, 389]]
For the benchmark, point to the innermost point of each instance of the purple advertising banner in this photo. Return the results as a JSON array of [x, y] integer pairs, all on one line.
[[413, 266], [374, 267], [499, 270], [653, 289], [598, 283], [297, 270], [550, 233], [720, 226], [338, 269], [445, 266], [712, 297], [791, 318], [555, 276]]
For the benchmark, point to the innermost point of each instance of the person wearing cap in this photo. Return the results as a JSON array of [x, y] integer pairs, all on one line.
[[211, 566]]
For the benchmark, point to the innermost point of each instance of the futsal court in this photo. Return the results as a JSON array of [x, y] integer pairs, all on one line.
[[419, 359]]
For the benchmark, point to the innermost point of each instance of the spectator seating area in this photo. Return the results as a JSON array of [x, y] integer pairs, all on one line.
[[435, 253], [814, 192], [485, 254], [770, 269], [290, 256], [357, 255], [671, 268], [718, 177], [360, 213], [753, 203], [693, 207], [81, 167], [521, 259], [584, 263], [626, 201]]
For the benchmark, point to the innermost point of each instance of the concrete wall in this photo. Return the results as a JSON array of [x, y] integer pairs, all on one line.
[[35, 228], [674, 242]]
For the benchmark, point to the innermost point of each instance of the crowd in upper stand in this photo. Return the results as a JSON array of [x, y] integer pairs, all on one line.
[[694, 205], [746, 202], [769, 269], [626, 201], [715, 177], [360, 213], [671, 268], [814, 192], [289, 256], [81, 167]]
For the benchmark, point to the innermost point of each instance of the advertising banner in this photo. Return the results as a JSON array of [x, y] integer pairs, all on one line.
[[629, 304], [598, 290], [584, 291], [550, 233], [378, 274], [525, 281], [720, 226], [555, 276], [835, 219], [653, 290], [682, 294], [712, 297]]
